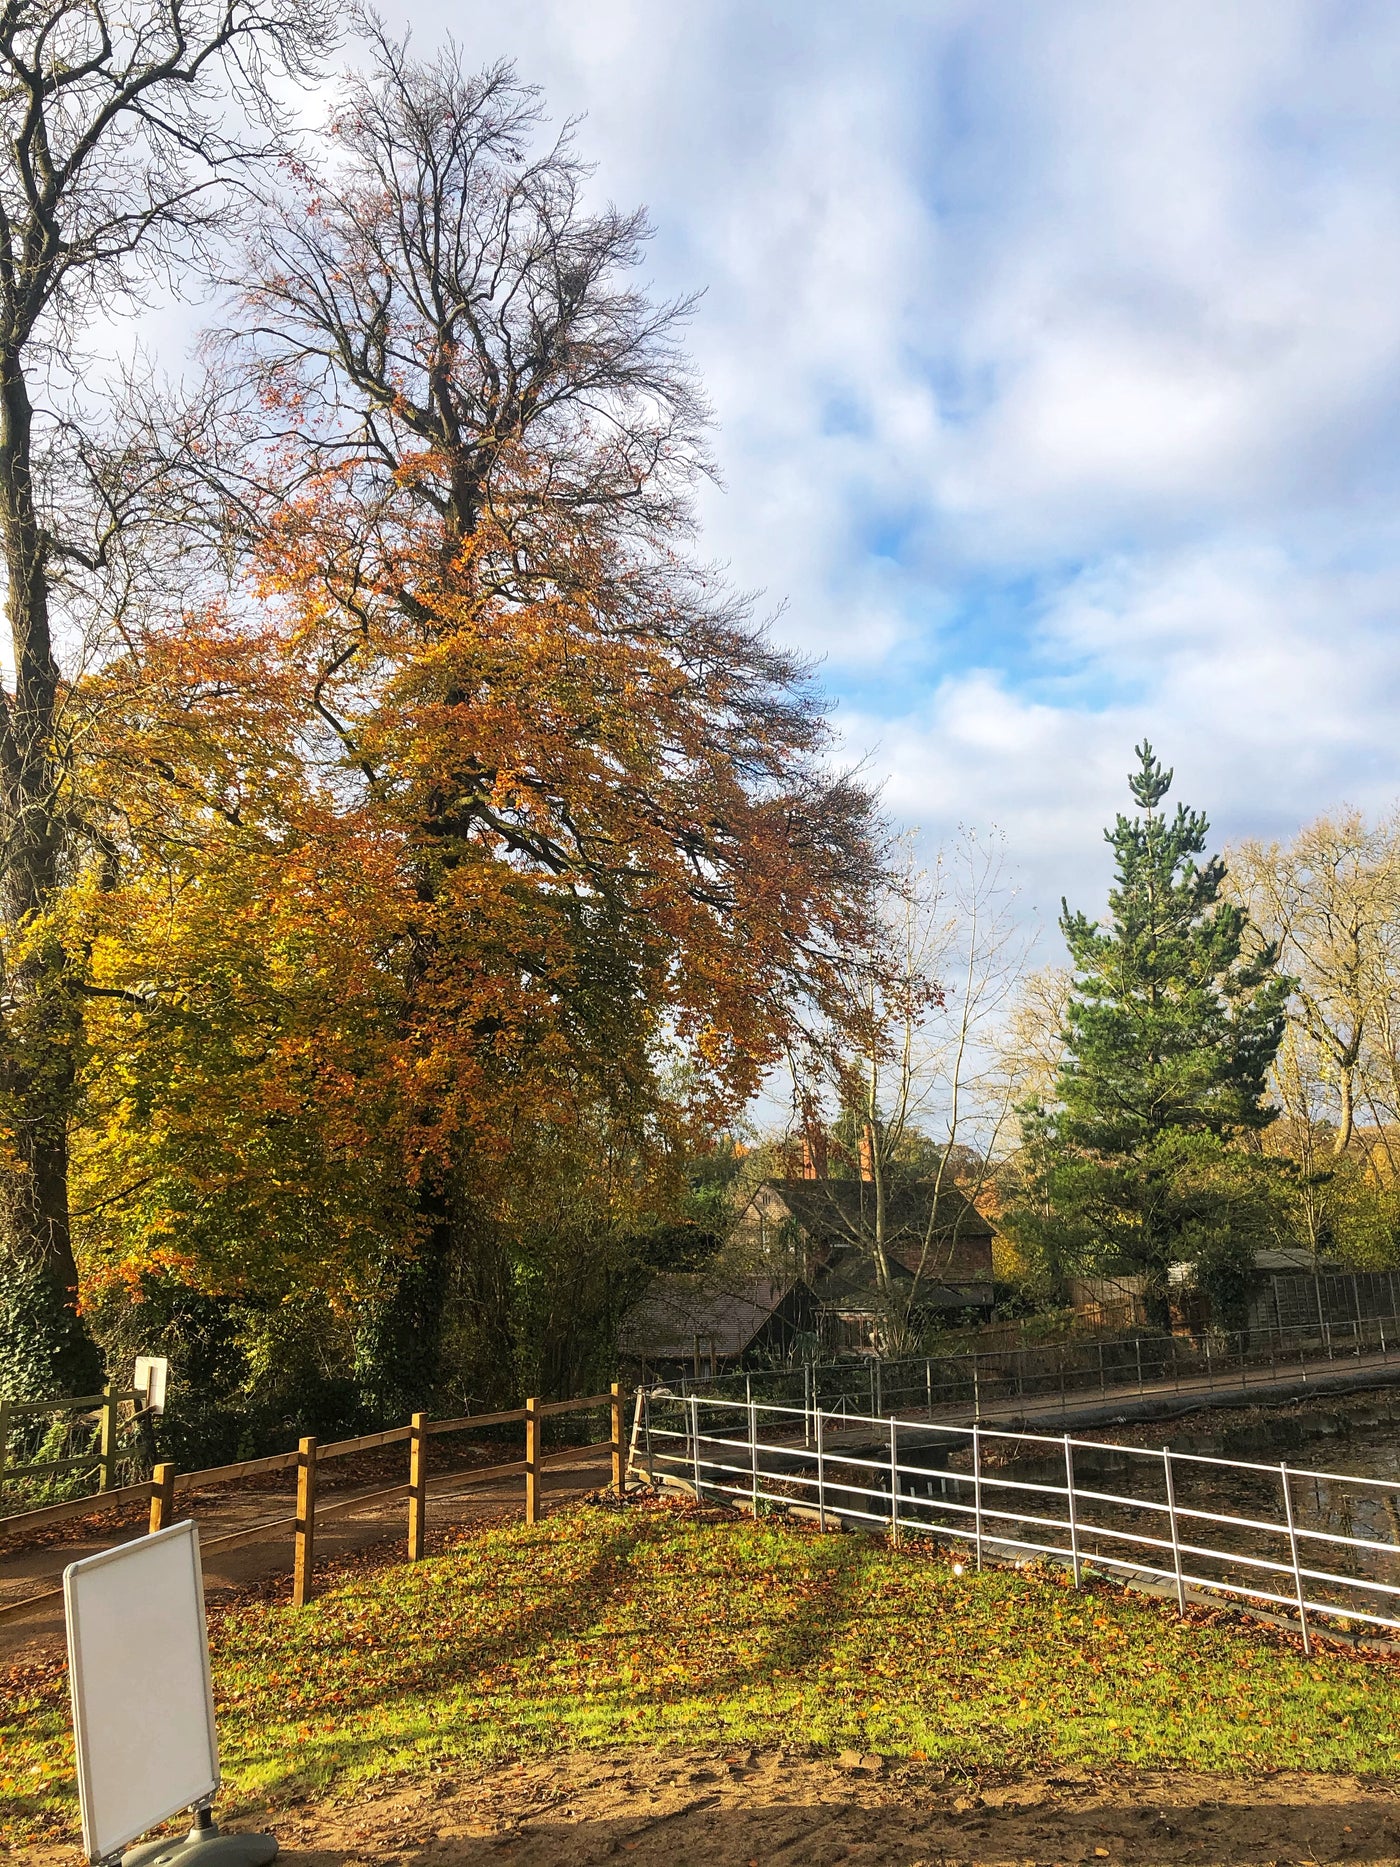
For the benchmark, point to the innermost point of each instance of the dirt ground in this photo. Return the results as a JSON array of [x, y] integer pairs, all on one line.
[[753, 1809]]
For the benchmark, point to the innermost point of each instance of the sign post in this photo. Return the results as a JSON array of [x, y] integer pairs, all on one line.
[[143, 1706]]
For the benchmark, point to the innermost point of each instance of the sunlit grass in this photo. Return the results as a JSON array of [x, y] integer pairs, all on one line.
[[658, 1626]]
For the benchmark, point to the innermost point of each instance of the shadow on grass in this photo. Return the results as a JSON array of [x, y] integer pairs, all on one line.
[[572, 1603]]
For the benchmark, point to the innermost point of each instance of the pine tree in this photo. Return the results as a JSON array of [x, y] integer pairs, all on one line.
[[1171, 1029]]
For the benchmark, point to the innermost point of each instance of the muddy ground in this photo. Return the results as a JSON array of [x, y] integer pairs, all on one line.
[[750, 1809]]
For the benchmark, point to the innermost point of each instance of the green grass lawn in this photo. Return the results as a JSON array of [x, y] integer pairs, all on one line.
[[655, 1625]]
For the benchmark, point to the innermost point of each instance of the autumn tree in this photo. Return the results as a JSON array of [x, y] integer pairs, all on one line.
[[619, 838], [1330, 902], [124, 130]]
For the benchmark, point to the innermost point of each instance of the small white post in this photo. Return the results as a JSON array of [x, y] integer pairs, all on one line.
[[1176, 1540], [1297, 1566], [977, 1491], [695, 1443], [1073, 1522], [821, 1475], [753, 1455], [894, 1482]]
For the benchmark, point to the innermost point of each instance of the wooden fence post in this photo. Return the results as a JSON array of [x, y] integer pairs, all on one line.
[[417, 1487], [619, 1462], [162, 1498], [107, 1445], [303, 1571], [532, 1461]]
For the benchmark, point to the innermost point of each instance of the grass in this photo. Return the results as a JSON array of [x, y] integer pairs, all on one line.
[[655, 1625]]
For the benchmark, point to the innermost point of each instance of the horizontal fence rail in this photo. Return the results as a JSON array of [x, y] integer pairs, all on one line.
[[95, 1423], [1283, 1539], [1056, 1375], [312, 1508]]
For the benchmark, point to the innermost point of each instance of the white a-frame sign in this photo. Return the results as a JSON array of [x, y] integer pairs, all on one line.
[[143, 1705]]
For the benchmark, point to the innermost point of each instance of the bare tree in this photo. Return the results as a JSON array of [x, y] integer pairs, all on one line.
[[1329, 900], [915, 1066], [125, 128], [437, 292]]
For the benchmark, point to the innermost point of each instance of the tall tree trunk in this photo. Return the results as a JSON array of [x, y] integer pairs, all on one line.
[[43, 1029]]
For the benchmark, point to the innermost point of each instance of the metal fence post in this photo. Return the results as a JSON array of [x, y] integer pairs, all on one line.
[[695, 1444], [532, 1460], [1073, 1522], [976, 1390], [928, 1383], [1176, 1539], [1297, 1566], [1137, 1345], [304, 1566], [646, 1437], [162, 1498], [894, 1481], [977, 1491], [107, 1444], [1103, 1385], [877, 1369], [417, 1487], [753, 1456], [821, 1474]]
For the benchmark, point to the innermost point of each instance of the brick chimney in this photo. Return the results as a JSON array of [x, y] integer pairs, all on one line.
[[867, 1153], [814, 1154]]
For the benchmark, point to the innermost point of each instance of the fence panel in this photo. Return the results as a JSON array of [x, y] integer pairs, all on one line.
[[1216, 1528]]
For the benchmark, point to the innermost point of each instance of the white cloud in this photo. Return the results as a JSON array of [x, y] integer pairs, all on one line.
[[1092, 305]]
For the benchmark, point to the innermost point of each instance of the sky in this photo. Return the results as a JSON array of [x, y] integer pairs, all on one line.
[[1055, 356]]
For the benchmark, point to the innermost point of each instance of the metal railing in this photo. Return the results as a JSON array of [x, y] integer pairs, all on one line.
[[1056, 1373], [1309, 1544]]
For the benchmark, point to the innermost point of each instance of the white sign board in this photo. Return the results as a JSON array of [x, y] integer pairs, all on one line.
[[138, 1666], [152, 1378]]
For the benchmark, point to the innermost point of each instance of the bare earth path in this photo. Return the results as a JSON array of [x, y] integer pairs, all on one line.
[[751, 1809], [39, 1566]]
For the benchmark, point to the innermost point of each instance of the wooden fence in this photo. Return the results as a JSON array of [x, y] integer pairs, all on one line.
[[103, 1460], [165, 1484]]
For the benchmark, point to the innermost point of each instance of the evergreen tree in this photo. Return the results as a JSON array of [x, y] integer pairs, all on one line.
[[1169, 1035]]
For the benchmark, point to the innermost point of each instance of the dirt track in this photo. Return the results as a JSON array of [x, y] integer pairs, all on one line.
[[729, 1809], [40, 1563]]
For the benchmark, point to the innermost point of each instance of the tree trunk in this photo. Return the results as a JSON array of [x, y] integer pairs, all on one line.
[[42, 1037]]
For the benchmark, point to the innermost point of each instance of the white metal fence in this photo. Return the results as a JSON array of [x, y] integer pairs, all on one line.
[[1309, 1544], [1061, 1375]]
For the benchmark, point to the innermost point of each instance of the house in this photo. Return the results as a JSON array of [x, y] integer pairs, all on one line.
[[702, 1322], [939, 1253]]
